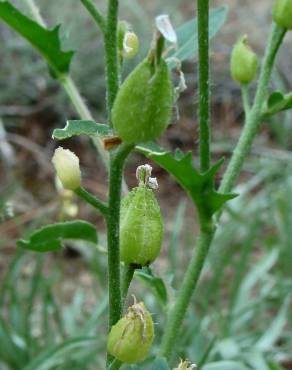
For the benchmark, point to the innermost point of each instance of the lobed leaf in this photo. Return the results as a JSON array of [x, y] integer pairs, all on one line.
[[187, 35], [199, 186], [81, 127], [50, 237], [47, 42]]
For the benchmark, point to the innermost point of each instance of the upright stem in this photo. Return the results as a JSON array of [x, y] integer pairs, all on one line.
[[96, 15], [201, 250], [111, 54], [254, 118], [117, 161], [204, 112], [245, 98], [186, 290], [128, 274]]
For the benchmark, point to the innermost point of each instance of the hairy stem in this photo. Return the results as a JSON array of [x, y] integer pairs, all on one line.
[[245, 98], [254, 118], [113, 229], [201, 250], [92, 200], [111, 54], [186, 290], [128, 274], [204, 111], [95, 13]]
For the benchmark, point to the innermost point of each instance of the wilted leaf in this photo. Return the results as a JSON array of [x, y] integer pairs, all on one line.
[[81, 127]]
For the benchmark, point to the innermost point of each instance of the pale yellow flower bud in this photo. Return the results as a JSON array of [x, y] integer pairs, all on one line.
[[67, 167]]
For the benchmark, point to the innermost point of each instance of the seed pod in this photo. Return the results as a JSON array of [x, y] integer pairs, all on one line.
[[131, 337], [141, 229], [143, 106], [244, 62], [282, 13]]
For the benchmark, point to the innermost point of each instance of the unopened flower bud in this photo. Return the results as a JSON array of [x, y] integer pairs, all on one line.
[[244, 62], [131, 337], [67, 167], [282, 13], [130, 45]]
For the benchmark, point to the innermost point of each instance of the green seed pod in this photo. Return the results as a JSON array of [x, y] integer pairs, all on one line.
[[143, 106], [282, 13], [131, 337], [141, 226], [244, 62]]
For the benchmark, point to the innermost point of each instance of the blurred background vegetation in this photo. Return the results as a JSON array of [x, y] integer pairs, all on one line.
[[53, 307]]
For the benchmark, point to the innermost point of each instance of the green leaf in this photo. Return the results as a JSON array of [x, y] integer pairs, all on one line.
[[200, 187], [47, 42], [278, 102], [160, 364], [154, 283], [50, 237], [187, 35], [81, 127]]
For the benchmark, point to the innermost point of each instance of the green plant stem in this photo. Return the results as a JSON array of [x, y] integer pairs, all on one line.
[[128, 274], [186, 290], [245, 98], [254, 118], [115, 365], [95, 13], [92, 200], [111, 54], [204, 111], [113, 228], [201, 250]]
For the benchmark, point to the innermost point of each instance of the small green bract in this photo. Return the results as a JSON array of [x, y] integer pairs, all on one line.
[[143, 106]]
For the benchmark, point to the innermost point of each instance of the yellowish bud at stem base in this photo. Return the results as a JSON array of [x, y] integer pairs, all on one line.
[[66, 164]]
